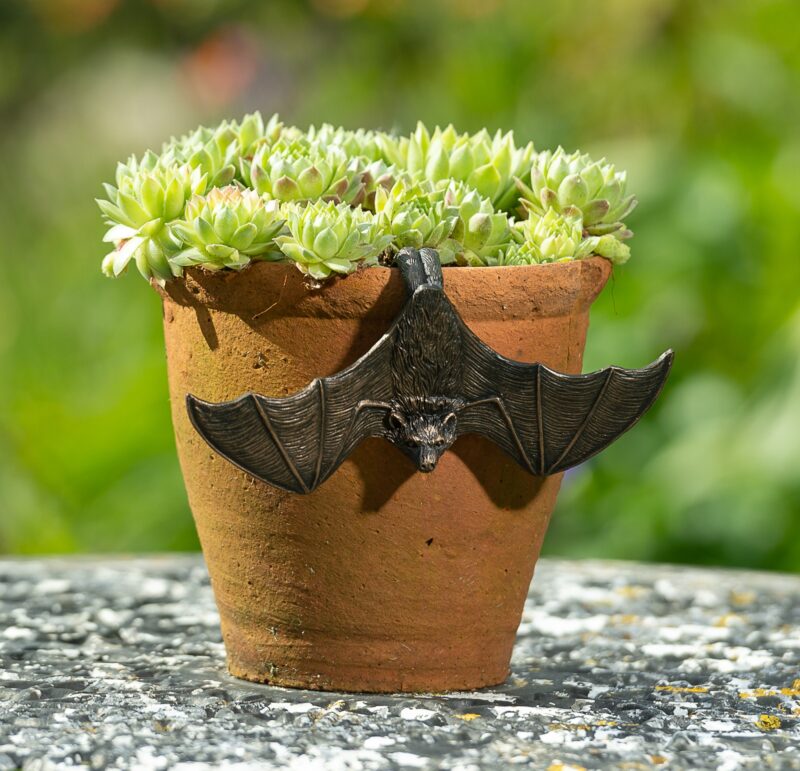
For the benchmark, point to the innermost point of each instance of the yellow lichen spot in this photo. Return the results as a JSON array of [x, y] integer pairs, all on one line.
[[760, 693], [682, 688], [582, 726], [657, 760], [728, 619], [557, 765], [468, 716], [768, 722], [757, 693], [625, 619], [796, 685], [568, 726], [632, 591], [743, 598]]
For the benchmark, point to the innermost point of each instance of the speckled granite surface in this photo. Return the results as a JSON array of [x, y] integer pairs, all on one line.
[[118, 664]]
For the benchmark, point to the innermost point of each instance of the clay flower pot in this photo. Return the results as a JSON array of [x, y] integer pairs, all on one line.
[[382, 579]]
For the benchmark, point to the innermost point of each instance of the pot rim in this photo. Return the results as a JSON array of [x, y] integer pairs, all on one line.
[[279, 289]]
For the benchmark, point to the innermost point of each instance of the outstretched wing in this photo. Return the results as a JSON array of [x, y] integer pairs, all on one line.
[[548, 421], [297, 442]]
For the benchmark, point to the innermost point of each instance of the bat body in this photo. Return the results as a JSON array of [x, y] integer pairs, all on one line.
[[426, 382]]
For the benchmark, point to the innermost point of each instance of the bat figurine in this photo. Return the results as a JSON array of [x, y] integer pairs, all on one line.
[[426, 382]]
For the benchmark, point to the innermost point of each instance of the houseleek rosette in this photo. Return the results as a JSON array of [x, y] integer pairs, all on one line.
[[359, 143], [487, 163], [227, 228], [412, 216], [139, 211], [373, 175], [559, 237], [327, 237], [577, 184], [480, 233], [220, 152], [295, 174]]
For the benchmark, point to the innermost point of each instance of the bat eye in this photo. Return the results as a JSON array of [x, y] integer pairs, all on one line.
[[397, 421]]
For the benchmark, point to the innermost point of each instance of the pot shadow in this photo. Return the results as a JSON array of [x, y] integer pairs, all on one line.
[[179, 293], [508, 485], [381, 482], [374, 321]]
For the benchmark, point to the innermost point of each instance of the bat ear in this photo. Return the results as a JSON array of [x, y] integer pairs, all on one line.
[[450, 420], [397, 420]]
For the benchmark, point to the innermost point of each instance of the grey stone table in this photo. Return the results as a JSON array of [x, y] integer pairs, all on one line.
[[118, 664]]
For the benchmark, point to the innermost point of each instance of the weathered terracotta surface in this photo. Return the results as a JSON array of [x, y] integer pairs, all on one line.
[[383, 579]]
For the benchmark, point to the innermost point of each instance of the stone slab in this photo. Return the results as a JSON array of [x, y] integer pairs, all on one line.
[[118, 663]]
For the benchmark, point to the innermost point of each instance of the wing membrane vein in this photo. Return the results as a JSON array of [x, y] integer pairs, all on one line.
[[279, 444], [589, 415]]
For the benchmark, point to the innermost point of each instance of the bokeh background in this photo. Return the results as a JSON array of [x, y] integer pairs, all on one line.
[[699, 101]]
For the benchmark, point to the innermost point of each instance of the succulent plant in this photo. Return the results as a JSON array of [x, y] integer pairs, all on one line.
[[298, 176], [331, 199], [410, 213], [355, 144], [558, 237], [219, 151], [252, 132], [487, 163], [148, 198], [480, 233], [575, 183], [326, 237], [374, 175], [226, 229]]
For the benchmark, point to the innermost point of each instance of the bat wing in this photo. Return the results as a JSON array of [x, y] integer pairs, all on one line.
[[297, 442], [548, 421]]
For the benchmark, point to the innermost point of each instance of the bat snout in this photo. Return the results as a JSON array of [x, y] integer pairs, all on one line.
[[427, 459]]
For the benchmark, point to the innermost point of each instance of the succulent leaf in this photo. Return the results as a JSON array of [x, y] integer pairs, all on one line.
[[480, 232], [414, 217], [575, 182], [326, 237], [149, 196], [296, 175], [227, 228], [487, 163]]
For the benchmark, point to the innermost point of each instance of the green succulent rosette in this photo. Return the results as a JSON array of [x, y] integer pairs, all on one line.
[[219, 152], [227, 228], [373, 175], [413, 217], [487, 163], [214, 153], [359, 143], [480, 233], [326, 238], [139, 210], [559, 237], [301, 175], [577, 184]]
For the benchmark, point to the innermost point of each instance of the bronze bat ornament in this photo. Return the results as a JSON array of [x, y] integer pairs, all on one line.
[[426, 382]]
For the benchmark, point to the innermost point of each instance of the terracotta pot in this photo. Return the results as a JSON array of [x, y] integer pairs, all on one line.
[[382, 579]]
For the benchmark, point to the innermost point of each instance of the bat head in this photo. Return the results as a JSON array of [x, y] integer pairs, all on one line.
[[423, 436]]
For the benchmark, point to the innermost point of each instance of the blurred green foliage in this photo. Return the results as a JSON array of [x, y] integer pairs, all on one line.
[[699, 101]]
